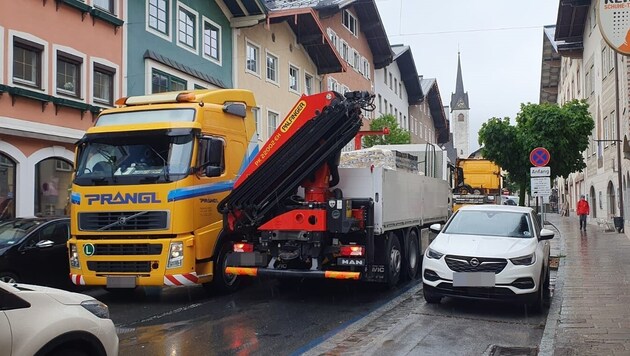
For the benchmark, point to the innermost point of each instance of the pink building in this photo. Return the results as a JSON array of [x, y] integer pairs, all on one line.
[[61, 62]]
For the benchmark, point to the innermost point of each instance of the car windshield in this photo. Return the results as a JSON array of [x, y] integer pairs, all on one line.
[[490, 223], [131, 158], [12, 232]]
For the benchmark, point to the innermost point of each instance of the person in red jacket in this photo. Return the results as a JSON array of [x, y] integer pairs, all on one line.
[[582, 210]]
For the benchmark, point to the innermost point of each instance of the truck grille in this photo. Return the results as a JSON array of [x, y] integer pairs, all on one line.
[[119, 267], [123, 221], [127, 249], [463, 264]]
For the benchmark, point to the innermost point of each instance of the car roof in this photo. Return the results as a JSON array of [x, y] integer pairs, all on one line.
[[35, 218], [493, 207]]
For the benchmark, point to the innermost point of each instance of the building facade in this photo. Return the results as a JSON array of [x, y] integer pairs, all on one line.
[[280, 60], [391, 93], [587, 71], [54, 79], [430, 123], [177, 45]]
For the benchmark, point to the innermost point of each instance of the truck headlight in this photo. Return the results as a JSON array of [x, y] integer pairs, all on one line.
[[74, 256], [176, 255]]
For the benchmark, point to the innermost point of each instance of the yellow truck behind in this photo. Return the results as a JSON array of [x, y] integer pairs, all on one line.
[[148, 178], [478, 181]]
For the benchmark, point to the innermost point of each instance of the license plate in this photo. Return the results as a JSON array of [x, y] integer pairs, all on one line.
[[121, 281], [474, 279]]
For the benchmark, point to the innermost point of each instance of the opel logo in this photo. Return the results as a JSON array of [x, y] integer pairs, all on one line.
[[474, 262]]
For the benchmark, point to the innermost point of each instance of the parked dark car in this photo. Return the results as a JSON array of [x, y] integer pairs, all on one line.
[[33, 251]]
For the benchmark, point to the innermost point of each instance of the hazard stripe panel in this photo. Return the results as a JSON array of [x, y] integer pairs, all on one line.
[[242, 271], [77, 279], [342, 275], [186, 279]]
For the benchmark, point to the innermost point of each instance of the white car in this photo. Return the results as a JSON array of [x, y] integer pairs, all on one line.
[[37, 320], [497, 252]]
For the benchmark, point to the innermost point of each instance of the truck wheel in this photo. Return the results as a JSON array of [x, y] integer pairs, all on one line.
[[222, 282], [412, 260], [394, 260]]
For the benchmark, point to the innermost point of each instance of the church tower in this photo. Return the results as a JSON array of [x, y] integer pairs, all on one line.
[[460, 115]]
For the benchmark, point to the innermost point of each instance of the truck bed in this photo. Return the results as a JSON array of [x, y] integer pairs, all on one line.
[[401, 198]]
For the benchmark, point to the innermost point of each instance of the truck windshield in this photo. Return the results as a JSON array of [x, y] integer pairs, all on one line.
[[133, 158]]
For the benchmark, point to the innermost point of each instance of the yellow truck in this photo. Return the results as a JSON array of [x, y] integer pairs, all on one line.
[[477, 181], [149, 175]]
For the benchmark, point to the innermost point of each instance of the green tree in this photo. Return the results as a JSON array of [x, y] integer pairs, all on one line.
[[562, 130], [396, 134]]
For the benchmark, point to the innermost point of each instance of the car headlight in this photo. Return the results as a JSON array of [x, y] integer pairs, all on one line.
[[176, 255], [525, 260], [433, 254], [97, 308], [74, 256]]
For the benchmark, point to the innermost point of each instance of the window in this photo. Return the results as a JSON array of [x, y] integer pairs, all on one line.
[[294, 83], [365, 67], [252, 52], [606, 132], [400, 90], [333, 38], [391, 109], [107, 5], [344, 89], [350, 22], [158, 15], [357, 61], [332, 84], [613, 128], [385, 76], [27, 62], [68, 74], [272, 68], [390, 81], [308, 84], [395, 85], [162, 82], [272, 122], [380, 104], [256, 114], [103, 81], [345, 51], [211, 153], [385, 110], [211, 41], [186, 27]]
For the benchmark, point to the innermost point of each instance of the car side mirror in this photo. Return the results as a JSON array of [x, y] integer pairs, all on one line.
[[436, 228], [44, 244], [546, 234]]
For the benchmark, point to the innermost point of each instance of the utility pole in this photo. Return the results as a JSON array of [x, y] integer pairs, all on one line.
[[619, 142]]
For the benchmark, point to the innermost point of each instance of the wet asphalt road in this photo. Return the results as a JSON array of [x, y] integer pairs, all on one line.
[[264, 317], [314, 317]]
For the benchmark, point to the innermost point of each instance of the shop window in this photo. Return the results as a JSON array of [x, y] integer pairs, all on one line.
[[7, 187], [53, 178]]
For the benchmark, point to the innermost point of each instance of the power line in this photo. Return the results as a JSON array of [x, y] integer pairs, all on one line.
[[468, 30]]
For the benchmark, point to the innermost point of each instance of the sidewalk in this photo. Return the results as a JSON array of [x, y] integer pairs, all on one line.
[[590, 311]]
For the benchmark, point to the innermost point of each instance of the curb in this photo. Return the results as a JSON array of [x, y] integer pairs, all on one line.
[[547, 343]]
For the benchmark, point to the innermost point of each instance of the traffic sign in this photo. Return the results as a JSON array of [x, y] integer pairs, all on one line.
[[540, 171], [539, 157], [541, 186]]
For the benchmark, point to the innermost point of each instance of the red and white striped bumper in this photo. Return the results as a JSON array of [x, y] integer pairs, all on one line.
[[186, 279], [77, 279]]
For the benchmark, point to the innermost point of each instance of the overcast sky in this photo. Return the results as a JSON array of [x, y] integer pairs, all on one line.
[[500, 42]]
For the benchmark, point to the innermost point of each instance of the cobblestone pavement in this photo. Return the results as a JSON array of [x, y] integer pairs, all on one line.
[[591, 315]]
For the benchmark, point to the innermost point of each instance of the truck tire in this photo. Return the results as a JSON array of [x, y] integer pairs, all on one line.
[[393, 256], [222, 282], [412, 259]]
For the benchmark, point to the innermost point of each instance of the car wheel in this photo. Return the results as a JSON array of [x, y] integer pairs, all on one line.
[[430, 296], [538, 304], [394, 260], [412, 261], [8, 277], [546, 290], [223, 282], [69, 351]]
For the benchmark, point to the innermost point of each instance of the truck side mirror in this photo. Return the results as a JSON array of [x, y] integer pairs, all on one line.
[[213, 171], [238, 109]]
